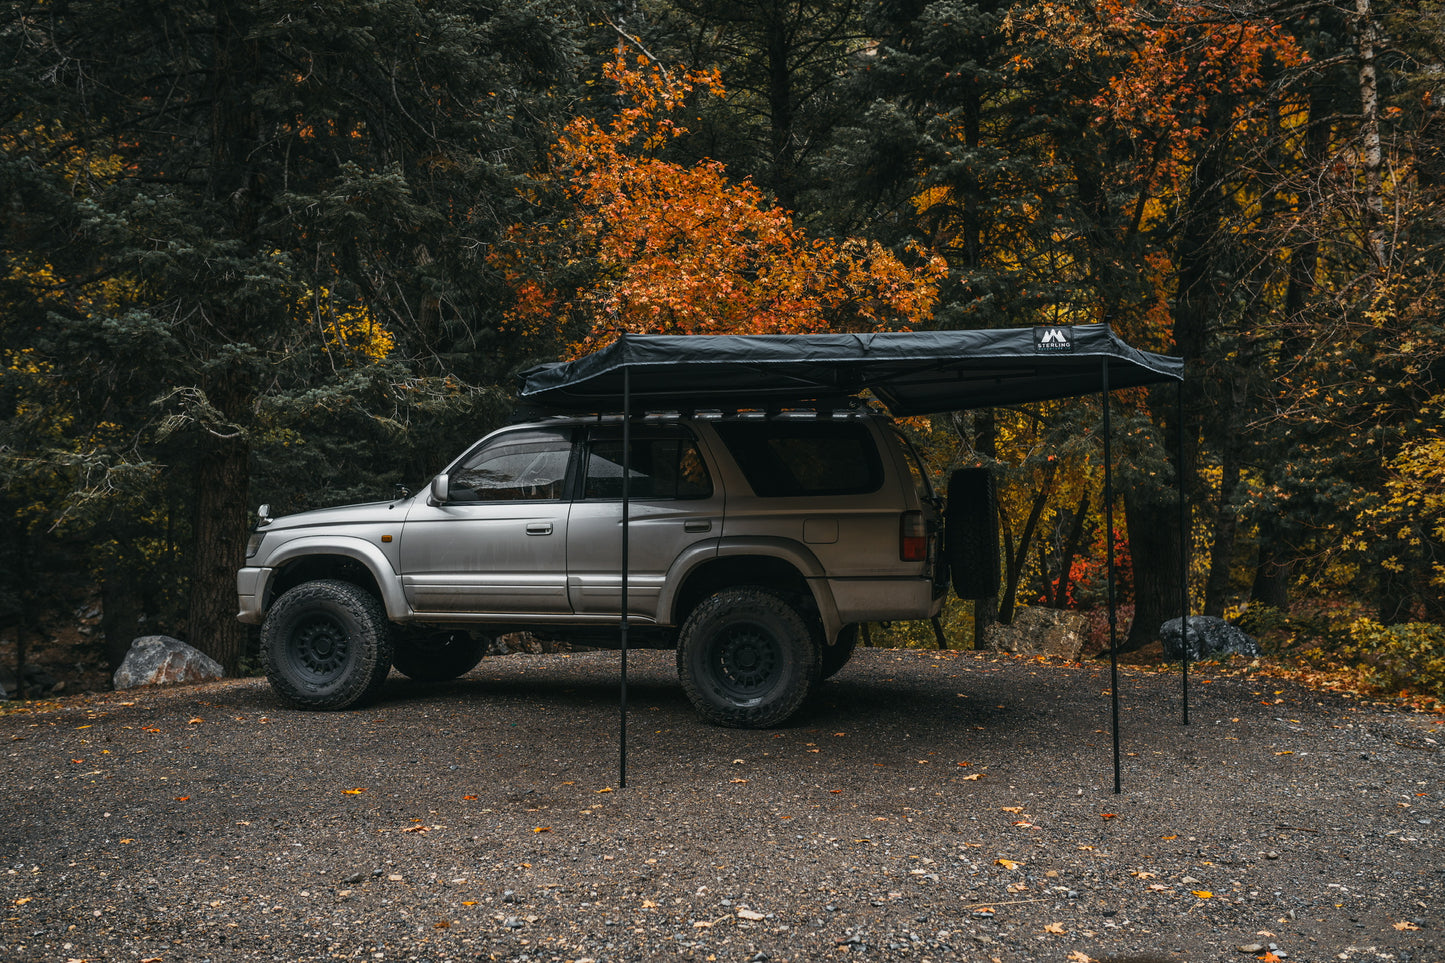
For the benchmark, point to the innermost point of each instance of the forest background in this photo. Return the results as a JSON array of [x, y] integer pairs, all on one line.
[[258, 250]]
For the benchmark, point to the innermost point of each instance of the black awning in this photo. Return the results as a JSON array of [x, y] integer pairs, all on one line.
[[913, 373]]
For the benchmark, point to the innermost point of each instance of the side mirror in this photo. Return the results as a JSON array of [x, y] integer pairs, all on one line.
[[440, 489]]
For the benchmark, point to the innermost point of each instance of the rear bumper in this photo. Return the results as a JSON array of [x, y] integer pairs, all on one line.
[[251, 594], [878, 600]]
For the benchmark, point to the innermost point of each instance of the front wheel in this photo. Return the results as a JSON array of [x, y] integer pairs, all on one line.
[[437, 655], [326, 645], [746, 659]]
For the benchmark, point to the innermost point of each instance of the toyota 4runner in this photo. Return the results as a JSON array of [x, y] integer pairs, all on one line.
[[757, 543]]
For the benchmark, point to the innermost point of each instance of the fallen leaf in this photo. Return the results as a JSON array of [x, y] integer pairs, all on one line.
[[469, 902], [973, 778], [1202, 893], [354, 792], [1108, 815], [195, 721], [25, 899], [1056, 928], [736, 782], [1013, 809], [542, 829], [182, 798], [1404, 925], [1143, 874], [1007, 863], [1158, 887], [469, 797], [442, 924], [605, 789], [1077, 957]]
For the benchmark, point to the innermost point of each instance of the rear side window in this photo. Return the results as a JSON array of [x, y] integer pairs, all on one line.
[[782, 459], [665, 466]]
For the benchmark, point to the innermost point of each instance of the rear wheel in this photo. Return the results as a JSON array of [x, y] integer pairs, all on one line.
[[326, 645], [437, 655], [746, 658]]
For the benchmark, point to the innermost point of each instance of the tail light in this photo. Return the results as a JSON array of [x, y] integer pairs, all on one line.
[[912, 537]]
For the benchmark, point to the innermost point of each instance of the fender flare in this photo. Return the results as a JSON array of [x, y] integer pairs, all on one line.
[[388, 583], [783, 549]]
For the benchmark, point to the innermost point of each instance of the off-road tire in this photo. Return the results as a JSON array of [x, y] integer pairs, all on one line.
[[746, 658], [326, 645], [436, 655], [835, 656], [970, 533]]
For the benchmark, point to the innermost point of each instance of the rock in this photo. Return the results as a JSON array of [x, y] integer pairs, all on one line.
[[1040, 631], [1209, 637], [162, 660]]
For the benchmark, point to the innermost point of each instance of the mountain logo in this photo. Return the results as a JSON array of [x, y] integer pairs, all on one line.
[[1052, 339]]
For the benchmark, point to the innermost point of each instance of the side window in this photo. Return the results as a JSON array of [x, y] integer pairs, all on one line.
[[520, 466], [782, 459], [915, 466], [665, 466]]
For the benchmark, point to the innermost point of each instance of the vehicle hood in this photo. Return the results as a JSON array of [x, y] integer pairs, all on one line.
[[340, 515]]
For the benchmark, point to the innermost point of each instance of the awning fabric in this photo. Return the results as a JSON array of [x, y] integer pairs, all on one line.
[[913, 373]]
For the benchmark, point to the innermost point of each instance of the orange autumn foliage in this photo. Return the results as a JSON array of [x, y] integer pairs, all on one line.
[[685, 250]]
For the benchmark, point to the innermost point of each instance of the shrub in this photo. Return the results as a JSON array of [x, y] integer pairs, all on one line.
[[1407, 656]]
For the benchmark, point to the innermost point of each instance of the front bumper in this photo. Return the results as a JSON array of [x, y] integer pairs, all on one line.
[[251, 585]]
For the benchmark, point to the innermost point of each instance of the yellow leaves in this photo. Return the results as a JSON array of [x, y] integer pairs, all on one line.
[[1078, 957], [1404, 926], [354, 792], [1008, 863], [1202, 893], [1055, 928], [542, 829], [23, 900]]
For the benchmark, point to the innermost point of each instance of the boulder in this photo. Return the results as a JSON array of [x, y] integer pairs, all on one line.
[[162, 660], [1209, 638], [1040, 631]]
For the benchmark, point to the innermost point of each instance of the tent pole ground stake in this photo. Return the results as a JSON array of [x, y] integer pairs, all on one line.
[[1109, 551], [626, 472], [1184, 545]]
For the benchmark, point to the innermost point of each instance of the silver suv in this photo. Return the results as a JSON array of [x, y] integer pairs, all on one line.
[[757, 544]]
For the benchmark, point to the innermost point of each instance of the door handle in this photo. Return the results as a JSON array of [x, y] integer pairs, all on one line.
[[697, 525], [539, 528]]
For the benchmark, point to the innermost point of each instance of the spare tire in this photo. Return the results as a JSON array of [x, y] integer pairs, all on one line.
[[970, 533]]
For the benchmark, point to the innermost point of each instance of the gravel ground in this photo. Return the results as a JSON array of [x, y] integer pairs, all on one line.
[[925, 806]]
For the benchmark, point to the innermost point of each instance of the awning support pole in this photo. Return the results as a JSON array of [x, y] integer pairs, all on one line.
[[1185, 538], [1109, 551], [626, 519]]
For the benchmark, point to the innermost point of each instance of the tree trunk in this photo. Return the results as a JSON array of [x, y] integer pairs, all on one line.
[[1371, 154], [1154, 550], [1226, 516], [120, 610], [985, 611], [1016, 558], [1060, 596], [221, 497]]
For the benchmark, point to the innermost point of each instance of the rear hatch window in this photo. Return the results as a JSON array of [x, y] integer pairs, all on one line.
[[782, 459]]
